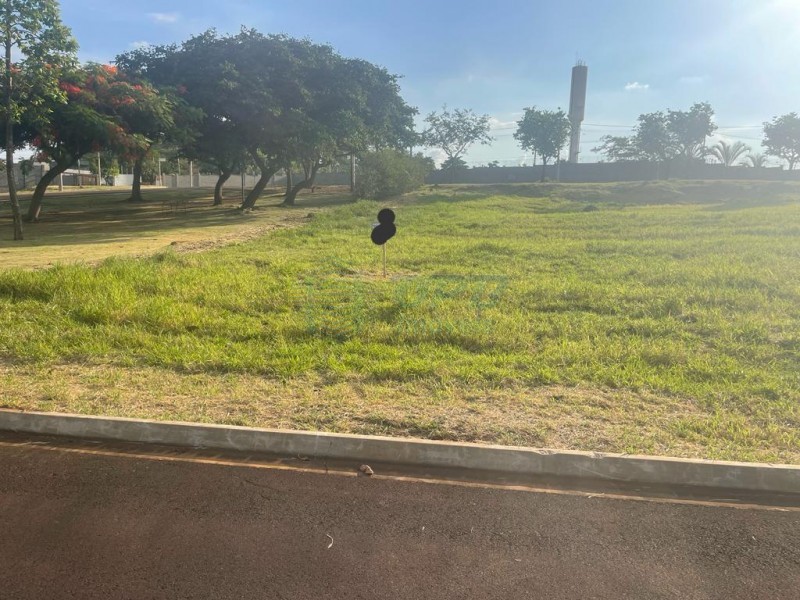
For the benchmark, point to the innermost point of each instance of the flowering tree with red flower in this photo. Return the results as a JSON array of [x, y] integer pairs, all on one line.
[[88, 122]]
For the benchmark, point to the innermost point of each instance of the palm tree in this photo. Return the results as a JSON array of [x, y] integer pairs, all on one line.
[[728, 153], [757, 161]]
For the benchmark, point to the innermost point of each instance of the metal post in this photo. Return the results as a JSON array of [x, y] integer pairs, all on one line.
[[99, 172], [191, 174]]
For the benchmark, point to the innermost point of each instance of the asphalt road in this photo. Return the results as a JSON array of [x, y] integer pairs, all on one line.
[[78, 524]]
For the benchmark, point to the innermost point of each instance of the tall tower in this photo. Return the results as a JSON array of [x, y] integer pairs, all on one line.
[[577, 107]]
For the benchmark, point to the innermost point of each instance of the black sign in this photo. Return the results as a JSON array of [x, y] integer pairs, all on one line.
[[385, 229]]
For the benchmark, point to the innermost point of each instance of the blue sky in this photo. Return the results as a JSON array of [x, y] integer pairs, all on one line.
[[499, 57]]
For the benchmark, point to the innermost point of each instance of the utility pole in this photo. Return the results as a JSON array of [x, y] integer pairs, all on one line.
[[99, 174]]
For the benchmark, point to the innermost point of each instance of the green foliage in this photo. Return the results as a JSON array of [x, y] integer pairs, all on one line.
[[44, 49], [386, 173], [727, 154], [660, 136], [455, 131], [756, 160], [782, 138], [453, 164], [278, 99], [543, 131], [689, 129]]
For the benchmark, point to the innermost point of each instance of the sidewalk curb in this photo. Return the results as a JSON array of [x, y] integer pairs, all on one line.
[[416, 452]]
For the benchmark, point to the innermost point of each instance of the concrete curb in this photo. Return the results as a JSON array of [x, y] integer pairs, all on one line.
[[415, 452]]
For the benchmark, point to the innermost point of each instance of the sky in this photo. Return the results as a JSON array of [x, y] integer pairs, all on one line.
[[499, 57]]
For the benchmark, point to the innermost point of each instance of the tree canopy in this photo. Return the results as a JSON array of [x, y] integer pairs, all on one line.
[[661, 136], [453, 132], [782, 138], [544, 132], [279, 101], [38, 49]]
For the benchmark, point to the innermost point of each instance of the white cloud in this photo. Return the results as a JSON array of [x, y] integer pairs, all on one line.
[[138, 45], [635, 86], [495, 123], [158, 17]]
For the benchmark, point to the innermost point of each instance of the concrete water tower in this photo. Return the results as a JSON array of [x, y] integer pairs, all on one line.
[[577, 107]]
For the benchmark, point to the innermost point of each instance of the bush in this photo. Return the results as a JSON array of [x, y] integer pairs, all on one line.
[[385, 173]]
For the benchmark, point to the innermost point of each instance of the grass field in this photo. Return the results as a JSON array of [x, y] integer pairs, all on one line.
[[643, 318]]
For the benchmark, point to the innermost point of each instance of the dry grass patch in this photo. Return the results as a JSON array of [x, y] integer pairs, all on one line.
[[552, 416]]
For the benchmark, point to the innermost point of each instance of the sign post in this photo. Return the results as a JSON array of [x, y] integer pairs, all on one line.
[[383, 231]]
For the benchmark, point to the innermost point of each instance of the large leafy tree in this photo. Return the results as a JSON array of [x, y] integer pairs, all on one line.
[[544, 132], [37, 47], [281, 102], [782, 138], [194, 72], [350, 106], [652, 139], [453, 132], [690, 128]]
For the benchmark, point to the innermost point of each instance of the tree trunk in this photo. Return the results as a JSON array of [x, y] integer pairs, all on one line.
[[261, 184], [38, 194], [12, 189], [544, 168], [353, 170], [223, 177], [288, 181], [291, 196], [136, 191]]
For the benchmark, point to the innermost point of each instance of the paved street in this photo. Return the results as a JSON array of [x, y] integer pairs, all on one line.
[[84, 524]]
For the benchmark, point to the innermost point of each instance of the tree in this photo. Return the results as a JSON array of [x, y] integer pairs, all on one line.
[[757, 161], [689, 129], [659, 137], [727, 154], [453, 165], [543, 132], [454, 132], [350, 106], [388, 172], [617, 148], [782, 138], [192, 71], [45, 47], [88, 122], [652, 139]]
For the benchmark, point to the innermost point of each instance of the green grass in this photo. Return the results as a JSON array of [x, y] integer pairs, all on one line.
[[678, 301]]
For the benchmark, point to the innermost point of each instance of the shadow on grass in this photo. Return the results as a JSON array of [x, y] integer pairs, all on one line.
[[75, 218]]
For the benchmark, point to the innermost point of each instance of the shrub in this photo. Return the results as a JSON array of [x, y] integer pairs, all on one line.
[[386, 173]]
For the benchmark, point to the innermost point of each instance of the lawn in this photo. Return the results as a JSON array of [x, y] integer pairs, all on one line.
[[643, 318]]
